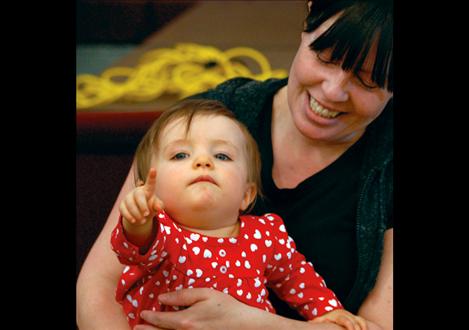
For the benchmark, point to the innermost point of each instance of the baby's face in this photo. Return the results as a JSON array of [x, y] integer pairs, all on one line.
[[203, 170]]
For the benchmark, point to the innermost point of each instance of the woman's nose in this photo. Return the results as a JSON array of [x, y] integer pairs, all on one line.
[[335, 86], [203, 161]]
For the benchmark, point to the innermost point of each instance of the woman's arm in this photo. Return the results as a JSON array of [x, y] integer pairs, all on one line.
[[378, 306], [96, 286]]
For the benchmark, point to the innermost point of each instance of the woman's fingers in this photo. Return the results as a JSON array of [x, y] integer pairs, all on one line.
[[184, 297], [362, 322], [147, 327], [160, 320]]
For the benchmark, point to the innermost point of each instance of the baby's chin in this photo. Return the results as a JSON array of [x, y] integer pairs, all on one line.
[[194, 206], [203, 197]]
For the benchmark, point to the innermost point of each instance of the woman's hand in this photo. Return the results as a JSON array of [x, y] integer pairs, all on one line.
[[343, 318], [211, 309]]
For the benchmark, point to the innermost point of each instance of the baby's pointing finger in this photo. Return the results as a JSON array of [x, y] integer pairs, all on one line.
[[150, 183]]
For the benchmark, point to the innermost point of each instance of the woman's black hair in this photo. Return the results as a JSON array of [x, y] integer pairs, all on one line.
[[360, 24]]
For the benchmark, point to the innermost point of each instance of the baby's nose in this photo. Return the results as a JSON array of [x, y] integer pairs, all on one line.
[[203, 161]]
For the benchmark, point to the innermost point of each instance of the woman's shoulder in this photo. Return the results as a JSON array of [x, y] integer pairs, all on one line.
[[239, 93], [380, 140], [232, 87]]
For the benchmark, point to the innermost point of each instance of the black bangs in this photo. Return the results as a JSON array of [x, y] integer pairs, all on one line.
[[351, 36]]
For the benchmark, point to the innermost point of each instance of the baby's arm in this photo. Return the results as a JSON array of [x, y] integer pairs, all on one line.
[[295, 281], [343, 318], [138, 209]]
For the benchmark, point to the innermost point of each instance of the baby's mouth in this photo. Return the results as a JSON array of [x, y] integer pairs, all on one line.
[[320, 110], [204, 178]]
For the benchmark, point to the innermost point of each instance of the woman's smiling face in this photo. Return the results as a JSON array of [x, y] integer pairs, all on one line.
[[327, 103]]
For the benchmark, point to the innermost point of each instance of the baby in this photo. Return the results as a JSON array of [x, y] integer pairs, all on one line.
[[202, 165]]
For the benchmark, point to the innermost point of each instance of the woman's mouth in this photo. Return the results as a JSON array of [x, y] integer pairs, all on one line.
[[320, 110]]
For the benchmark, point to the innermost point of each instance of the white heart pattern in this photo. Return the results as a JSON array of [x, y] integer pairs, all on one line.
[[257, 283], [194, 237], [207, 253]]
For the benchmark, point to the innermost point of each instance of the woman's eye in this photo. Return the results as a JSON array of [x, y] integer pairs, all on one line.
[[221, 156], [367, 83], [322, 58], [180, 155], [325, 57]]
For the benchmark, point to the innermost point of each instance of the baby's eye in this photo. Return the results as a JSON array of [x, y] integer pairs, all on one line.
[[180, 155], [222, 156]]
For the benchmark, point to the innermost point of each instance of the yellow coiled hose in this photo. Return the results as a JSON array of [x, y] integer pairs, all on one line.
[[183, 70]]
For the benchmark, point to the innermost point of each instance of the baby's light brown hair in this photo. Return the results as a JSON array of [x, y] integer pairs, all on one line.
[[188, 109]]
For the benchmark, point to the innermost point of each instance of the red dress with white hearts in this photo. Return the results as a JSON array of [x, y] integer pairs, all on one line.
[[261, 255]]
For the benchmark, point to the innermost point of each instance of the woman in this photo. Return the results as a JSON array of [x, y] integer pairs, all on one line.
[[325, 137]]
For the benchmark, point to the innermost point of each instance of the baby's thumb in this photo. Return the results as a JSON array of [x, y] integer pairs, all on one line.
[[157, 205]]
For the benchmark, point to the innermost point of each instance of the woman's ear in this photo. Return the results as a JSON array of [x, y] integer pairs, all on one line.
[[309, 5], [249, 196]]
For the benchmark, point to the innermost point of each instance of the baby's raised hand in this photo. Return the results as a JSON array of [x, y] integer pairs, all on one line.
[[343, 318], [141, 204]]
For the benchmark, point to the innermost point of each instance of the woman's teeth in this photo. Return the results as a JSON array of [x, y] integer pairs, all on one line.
[[319, 110]]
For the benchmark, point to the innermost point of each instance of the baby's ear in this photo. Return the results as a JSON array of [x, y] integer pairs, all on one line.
[[249, 196]]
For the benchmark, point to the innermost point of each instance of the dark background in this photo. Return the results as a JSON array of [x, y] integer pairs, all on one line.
[[124, 21]]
